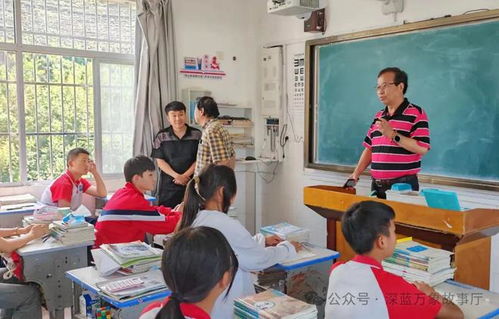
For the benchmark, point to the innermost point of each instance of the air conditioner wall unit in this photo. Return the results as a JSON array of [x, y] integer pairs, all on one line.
[[291, 7]]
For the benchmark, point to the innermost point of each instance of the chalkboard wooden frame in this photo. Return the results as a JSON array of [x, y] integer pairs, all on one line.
[[311, 64]]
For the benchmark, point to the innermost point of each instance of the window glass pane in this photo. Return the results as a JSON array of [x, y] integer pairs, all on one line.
[[7, 21], [93, 25], [57, 112], [9, 123], [117, 115]]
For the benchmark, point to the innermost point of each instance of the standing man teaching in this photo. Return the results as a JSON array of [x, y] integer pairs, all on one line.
[[215, 146], [397, 139], [174, 149]]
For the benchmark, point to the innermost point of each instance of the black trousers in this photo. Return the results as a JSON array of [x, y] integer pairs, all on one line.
[[380, 186], [171, 197]]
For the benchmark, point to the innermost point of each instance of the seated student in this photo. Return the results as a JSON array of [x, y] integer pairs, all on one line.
[[128, 216], [207, 200], [17, 299], [67, 190], [369, 228], [187, 259]]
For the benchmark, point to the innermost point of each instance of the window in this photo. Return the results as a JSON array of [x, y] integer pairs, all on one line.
[[105, 26], [58, 111], [9, 124], [7, 21], [116, 83], [50, 99]]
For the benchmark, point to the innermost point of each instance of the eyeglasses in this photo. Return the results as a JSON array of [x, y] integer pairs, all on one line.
[[383, 86]]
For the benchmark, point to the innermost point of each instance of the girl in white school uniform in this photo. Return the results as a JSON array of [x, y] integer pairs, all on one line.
[[207, 200]]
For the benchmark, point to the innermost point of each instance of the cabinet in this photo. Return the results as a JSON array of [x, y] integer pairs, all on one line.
[[190, 98], [238, 121]]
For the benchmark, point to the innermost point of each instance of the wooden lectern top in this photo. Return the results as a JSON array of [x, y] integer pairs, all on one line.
[[466, 225]]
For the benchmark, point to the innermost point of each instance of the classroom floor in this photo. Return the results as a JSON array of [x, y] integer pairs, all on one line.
[[67, 313]]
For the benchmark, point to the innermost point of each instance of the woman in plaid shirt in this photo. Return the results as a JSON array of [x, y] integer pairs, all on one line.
[[215, 146]]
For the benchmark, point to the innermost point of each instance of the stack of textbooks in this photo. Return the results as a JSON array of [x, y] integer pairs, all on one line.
[[134, 257], [133, 286], [32, 220], [272, 304], [72, 233], [287, 231], [417, 262]]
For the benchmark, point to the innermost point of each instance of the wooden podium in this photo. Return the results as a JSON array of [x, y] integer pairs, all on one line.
[[465, 233]]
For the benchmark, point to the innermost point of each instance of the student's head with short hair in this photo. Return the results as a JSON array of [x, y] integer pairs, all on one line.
[[198, 264], [206, 109], [176, 114], [369, 226], [78, 161], [141, 172], [216, 184]]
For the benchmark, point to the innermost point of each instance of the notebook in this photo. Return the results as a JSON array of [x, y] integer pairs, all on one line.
[[441, 199]]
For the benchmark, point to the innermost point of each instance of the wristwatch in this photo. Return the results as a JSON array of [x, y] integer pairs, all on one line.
[[396, 138]]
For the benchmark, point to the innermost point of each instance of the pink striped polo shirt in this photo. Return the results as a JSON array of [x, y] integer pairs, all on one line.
[[389, 160]]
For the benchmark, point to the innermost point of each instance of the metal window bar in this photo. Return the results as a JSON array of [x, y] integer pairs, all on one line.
[[119, 26], [85, 22], [86, 100], [4, 24], [72, 24], [50, 153], [32, 22], [59, 26], [46, 21], [97, 26], [63, 120]]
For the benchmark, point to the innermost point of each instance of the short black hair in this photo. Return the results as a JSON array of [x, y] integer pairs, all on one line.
[[175, 106], [364, 222], [72, 154], [209, 106], [137, 166], [400, 76]]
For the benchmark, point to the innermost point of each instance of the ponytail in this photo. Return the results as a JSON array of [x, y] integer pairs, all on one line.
[[171, 310], [193, 202], [203, 187]]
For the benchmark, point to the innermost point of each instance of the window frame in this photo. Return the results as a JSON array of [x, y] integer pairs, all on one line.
[[97, 57]]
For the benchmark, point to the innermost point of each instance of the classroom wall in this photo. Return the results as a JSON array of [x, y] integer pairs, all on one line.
[[218, 28], [344, 17], [222, 28]]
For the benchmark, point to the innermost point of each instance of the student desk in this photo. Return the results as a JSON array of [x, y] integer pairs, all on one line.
[[88, 277], [474, 302], [14, 217], [46, 262], [466, 233], [306, 279]]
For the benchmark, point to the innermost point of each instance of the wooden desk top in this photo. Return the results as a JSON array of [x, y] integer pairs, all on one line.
[[331, 202]]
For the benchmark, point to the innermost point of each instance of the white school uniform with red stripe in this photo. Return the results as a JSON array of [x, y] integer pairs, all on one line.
[[360, 288], [66, 188]]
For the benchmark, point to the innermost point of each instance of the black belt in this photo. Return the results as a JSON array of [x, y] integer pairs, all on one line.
[[390, 182]]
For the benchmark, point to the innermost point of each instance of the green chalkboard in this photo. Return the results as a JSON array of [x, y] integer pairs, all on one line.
[[453, 75]]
